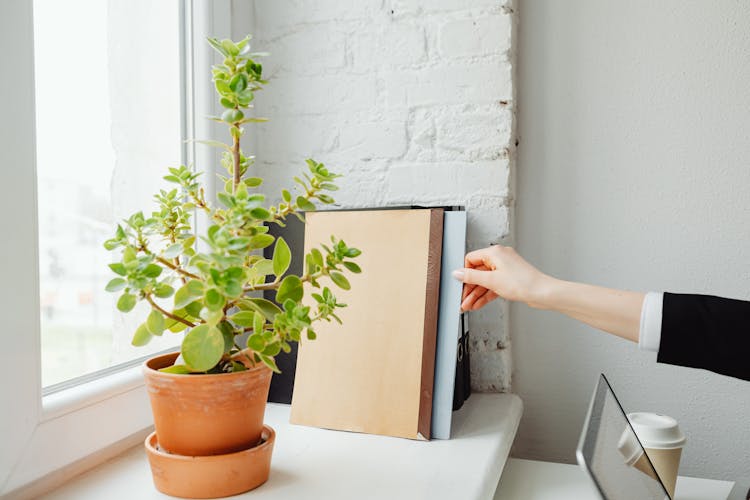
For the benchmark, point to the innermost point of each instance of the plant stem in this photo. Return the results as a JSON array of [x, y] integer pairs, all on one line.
[[178, 269], [167, 313], [236, 158]]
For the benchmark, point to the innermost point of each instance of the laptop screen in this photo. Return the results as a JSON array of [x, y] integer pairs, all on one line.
[[612, 454]]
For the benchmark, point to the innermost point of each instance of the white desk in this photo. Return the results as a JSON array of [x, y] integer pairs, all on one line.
[[533, 480], [317, 463]]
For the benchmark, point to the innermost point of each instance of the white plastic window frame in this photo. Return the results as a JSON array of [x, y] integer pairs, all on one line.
[[47, 438]]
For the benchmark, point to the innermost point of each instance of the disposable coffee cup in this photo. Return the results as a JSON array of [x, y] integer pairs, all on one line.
[[663, 441], [633, 453]]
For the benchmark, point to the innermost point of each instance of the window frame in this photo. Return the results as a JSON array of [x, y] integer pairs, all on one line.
[[47, 437]]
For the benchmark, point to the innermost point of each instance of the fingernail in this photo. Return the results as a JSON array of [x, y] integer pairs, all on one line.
[[458, 274]]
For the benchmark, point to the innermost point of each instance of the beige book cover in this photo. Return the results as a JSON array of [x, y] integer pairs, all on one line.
[[375, 372]]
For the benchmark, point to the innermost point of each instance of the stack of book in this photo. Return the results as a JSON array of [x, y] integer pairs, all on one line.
[[399, 364]]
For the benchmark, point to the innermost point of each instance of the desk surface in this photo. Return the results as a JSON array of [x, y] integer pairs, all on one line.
[[533, 480], [318, 463]]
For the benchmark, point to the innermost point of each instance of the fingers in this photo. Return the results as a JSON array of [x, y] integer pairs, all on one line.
[[474, 277], [484, 300], [472, 297], [481, 257]]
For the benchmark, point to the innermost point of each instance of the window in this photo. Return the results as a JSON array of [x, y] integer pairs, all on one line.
[[40, 433], [108, 123]]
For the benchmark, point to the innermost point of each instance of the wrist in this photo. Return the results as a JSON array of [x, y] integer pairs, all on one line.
[[543, 292]]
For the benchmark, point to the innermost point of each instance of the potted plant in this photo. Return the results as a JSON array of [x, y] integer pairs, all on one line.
[[208, 400]]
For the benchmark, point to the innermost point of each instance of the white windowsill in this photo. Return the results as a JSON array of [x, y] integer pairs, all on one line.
[[62, 402], [318, 463]]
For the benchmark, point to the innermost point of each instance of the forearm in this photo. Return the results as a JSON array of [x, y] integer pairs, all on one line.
[[614, 311]]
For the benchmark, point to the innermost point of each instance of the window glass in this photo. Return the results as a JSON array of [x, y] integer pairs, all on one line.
[[108, 124]]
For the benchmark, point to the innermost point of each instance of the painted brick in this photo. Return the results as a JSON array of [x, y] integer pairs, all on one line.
[[483, 82], [373, 47], [477, 36], [293, 53], [295, 95], [445, 183], [471, 133], [417, 7], [374, 140], [274, 17]]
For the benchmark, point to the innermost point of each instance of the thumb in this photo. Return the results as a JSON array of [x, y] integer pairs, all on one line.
[[474, 277]]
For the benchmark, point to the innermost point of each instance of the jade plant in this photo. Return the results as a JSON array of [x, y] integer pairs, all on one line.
[[207, 284]]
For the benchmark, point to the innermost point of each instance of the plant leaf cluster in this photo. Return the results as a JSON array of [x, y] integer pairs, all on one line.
[[206, 284]]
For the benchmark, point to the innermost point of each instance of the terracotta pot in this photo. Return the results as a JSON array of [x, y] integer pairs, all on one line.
[[211, 476], [198, 415]]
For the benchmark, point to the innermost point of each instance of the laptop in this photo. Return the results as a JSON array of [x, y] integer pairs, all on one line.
[[608, 450]]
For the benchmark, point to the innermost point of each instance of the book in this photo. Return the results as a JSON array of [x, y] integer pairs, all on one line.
[[375, 373], [293, 233], [449, 323]]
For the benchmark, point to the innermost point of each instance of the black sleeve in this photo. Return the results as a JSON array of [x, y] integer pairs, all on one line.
[[702, 331]]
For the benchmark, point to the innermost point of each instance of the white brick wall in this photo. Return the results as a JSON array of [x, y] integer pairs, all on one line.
[[413, 101]]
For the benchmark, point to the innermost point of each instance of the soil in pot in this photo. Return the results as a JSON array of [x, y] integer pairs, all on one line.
[[199, 415]]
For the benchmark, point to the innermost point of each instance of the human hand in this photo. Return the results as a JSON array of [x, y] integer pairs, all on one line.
[[499, 271]]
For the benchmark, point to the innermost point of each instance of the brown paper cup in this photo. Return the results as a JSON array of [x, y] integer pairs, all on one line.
[[666, 462]]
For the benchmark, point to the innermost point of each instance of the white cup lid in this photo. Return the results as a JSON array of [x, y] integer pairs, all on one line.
[[628, 447], [657, 431]]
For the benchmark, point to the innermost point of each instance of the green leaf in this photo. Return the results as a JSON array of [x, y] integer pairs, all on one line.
[[263, 306], [194, 308], [223, 87], [352, 267], [217, 45], [272, 349], [258, 323], [286, 195], [238, 367], [353, 252], [230, 47], [187, 293], [115, 285], [203, 347], [238, 82], [282, 257], [261, 241], [243, 318], [253, 181], [325, 199], [232, 115], [263, 267], [260, 213], [269, 362], [317, 257], [155, 322], [183, 297], [126, 303], [172, 251], [163, 291], [152, 271], [178, 369], [128, 255], [227, 334], [213, 299], [141, 336], [290, 288], [304, 204], [195, 287], [256, 343], [118, 268], [175, 326], [340, 280]]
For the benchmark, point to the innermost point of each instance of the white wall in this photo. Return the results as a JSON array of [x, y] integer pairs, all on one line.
[[412, 100], [633, 172]]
